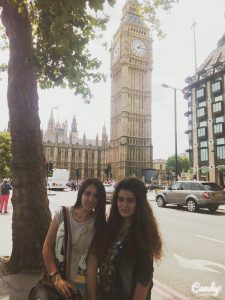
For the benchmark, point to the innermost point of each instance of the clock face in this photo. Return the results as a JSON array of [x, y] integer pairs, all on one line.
[[115, 51], [138, 47]]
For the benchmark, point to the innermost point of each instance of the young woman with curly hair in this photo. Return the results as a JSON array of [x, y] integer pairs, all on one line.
[[131, 243]]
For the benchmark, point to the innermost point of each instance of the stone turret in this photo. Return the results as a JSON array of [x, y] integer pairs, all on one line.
[[74, 132], [104, 136]]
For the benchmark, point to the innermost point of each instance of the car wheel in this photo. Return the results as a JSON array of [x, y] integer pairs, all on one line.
[[160, 201], [212, 209], [191, 205]]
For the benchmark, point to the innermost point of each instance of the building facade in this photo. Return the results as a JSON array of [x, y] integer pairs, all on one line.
[[131, 67], [130, 147], [67, 151], [205, 94]]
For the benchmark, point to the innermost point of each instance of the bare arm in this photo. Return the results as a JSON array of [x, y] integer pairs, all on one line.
[[92, 269], [48, 254], [140, 292]]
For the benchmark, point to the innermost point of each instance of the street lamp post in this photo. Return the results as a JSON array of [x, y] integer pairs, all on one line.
[[175, 123]]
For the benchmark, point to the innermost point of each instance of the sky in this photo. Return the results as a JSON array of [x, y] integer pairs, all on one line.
[[173, 61]]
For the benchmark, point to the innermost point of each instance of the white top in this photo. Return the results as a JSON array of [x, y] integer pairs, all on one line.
[[82, 234]]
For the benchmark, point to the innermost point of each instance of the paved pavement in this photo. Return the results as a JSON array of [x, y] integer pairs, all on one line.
[[17, 286]]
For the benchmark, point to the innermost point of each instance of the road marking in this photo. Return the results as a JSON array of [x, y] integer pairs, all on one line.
[[198, 264], [207, 238]]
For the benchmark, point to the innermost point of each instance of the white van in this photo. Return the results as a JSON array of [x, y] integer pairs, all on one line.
[[58, 180]]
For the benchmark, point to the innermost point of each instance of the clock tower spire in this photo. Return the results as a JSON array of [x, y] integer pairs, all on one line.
[[131, 67]]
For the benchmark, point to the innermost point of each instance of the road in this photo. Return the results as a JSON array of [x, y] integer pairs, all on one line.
[[194, 248]]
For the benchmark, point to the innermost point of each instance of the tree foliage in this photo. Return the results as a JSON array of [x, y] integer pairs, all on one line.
[[62, 31], [182, 164], [5, 155]]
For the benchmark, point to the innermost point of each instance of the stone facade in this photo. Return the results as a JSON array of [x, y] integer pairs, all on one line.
[[131, 67], [205, 94], [67, 151], [130, 146]]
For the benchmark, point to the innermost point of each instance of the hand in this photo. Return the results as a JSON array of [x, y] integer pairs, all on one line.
[[63, 287]]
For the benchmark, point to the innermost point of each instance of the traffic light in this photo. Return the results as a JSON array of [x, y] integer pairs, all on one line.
[[50, 166]]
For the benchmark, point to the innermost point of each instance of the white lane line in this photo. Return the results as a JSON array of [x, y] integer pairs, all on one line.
[[207, 238]]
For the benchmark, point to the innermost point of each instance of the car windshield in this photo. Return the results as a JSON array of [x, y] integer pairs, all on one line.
[[109, 188], [211, 186]]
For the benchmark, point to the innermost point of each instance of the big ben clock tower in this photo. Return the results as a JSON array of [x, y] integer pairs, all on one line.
[[131, 67]]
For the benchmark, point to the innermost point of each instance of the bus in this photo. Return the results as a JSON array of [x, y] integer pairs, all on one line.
[[58, 180]]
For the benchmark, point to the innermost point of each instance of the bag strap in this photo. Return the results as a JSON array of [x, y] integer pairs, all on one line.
[[65, 240]]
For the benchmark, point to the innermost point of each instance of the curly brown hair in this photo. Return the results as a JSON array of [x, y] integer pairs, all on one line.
[[143, 231], [100, 218]]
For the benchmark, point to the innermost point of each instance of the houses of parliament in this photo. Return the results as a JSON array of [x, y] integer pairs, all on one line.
[[129, 146]]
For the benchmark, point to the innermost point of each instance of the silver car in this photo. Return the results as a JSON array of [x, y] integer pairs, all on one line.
[[193, 194]]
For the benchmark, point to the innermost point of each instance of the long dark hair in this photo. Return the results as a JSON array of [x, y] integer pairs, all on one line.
[[143, 231], [100, 218]]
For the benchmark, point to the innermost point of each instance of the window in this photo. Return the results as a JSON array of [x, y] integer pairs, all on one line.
[[201, 112], [217, 106], [203, 151], [219, 119], [176, 186], [220, 148], [204, 154], [218, 128], [200, 93], [186, 186], [216, 86], [203, 144], [196, 186], [218, 98], [203, 124], [201, 131], [202, 104]]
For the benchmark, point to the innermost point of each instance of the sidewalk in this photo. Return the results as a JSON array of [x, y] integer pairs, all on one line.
[[17, 287]]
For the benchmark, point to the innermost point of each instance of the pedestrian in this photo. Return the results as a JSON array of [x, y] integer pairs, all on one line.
[[4, 197], [73, 185], [66, 261], [131, 243]]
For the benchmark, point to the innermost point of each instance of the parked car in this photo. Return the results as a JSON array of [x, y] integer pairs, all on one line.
[[156, 187], [193, 194], [109, 192]]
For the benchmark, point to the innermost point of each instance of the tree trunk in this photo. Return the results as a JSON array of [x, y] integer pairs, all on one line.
[[31, 214]]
